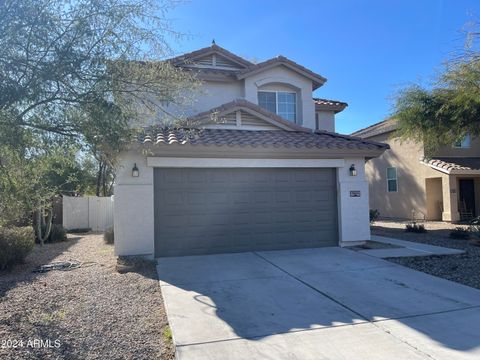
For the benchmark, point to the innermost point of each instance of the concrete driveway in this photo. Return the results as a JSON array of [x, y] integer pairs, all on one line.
[[327, 303]]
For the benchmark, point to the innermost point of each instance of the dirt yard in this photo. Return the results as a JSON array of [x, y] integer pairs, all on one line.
[[464, 268], [92, 312]]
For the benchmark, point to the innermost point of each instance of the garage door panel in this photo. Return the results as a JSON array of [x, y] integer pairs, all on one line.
[[173, 176], [201, 211]]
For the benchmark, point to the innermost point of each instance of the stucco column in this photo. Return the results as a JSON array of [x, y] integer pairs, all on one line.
[[450, 199], [353, 206], [133, 207]]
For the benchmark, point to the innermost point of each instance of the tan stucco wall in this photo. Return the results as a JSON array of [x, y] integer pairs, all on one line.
[[434, 198], [472, 151], [411, 174]]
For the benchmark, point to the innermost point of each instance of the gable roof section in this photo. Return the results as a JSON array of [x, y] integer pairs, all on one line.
[[190, 57], [251, 108], [317, 79], [246, 68], [329, 105], [454, 165], [379, 128]]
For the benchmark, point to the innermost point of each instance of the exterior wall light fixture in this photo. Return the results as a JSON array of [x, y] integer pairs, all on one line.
[[135, 171], [353, 171]]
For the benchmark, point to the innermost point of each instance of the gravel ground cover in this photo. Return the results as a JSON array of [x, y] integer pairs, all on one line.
[[92, 312], [464, 268]]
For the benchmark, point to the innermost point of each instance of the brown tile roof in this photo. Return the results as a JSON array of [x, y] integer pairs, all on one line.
[[249, 67], [178, 60], [244, 104], [260, 138], [450, 165], [379, 128], [318, 80], [325, 104]]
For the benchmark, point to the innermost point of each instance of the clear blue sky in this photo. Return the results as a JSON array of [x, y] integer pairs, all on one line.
[[367, 49]]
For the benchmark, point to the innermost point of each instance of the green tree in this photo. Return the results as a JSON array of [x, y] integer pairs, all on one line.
[[450, 109], [82, 72]]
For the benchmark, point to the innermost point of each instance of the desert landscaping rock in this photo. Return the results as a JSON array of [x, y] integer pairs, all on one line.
[[94, 311], [463, 268]]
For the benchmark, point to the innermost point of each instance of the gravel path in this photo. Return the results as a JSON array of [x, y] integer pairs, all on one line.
[[94, 312], [464, 268]]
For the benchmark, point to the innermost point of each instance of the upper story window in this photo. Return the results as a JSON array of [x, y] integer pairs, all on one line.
[[282, 103], [392, 184], [464, 143]]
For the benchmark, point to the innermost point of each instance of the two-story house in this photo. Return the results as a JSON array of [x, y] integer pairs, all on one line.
[[272, 174], [405, 184]]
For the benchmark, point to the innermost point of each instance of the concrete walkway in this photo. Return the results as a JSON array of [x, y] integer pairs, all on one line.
[[328, 303], [407, 248]]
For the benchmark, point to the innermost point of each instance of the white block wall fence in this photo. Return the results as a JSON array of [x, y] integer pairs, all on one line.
[[84, 212]]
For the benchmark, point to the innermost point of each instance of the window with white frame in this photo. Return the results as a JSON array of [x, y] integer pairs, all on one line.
[[282, 103], [464, 143], [392, 184]]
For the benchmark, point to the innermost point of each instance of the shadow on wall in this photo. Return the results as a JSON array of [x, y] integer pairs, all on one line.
[[256, 299], [410, 197]]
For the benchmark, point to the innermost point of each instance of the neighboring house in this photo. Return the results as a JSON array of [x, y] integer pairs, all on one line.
[[261, 178], [405, 184]]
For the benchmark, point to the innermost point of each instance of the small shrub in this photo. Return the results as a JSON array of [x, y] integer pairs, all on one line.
[[374, 215], [15, 244], [460, 233], [415, 228], [108, 236], [167, 333], [475, 228], [57, 234]]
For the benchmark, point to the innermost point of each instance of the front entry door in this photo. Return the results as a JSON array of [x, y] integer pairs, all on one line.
[[467, 195]]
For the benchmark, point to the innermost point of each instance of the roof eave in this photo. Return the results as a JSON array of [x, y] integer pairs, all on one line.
[[452, 171], [192, 150], [334, 108]]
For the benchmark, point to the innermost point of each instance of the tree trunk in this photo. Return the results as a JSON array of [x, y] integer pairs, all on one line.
[[99, 178], [104, 181]]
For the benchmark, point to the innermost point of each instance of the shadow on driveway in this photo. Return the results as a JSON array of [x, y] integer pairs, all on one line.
[[255, 295]]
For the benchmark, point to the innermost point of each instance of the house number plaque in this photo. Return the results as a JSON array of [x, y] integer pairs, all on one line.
[[355, 193]]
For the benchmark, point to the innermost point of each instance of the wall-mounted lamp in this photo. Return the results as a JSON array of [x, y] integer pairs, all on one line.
[[353, 171], [135, 172]]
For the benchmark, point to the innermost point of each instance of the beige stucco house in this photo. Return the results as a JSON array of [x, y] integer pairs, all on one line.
[[271, 174], [405, 184]]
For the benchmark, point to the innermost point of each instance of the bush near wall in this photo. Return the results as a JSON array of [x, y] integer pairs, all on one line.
[[374, 215], [415, 228], [57, 234], [15, 244]]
